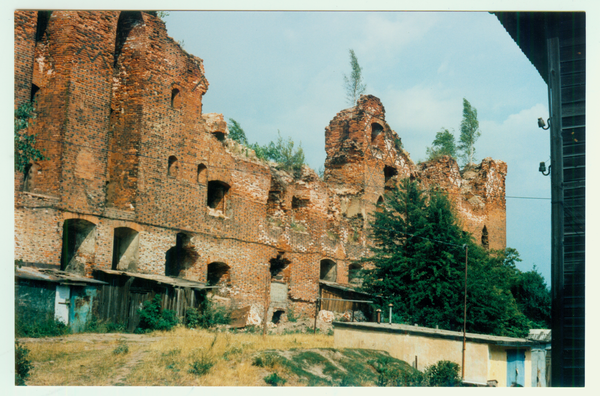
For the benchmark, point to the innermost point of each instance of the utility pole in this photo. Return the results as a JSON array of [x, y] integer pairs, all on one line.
[[465, 312]]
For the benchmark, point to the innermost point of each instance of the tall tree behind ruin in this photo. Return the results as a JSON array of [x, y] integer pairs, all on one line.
[[354, 84], [469, 133]]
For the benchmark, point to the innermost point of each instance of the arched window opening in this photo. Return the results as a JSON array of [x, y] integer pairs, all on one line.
[[355, 274], [376, 130], [78, 245], [181, 256], [127, 21], [34, 93], [328, 270], [201, 173], [485, 242], [175, 98], [172, 166], [379, 206], [125, 249], [217, 195], [278, 268], [30, 174], [218, 274], [43, 17]]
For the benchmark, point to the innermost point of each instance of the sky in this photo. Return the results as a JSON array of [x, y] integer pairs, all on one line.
[[283, 71]]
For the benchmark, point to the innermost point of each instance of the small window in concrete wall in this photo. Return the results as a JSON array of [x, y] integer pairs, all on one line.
[[29, 176], [218, 274], [485, 242], [125, 249], [79, 244], [376, 130], [217, 195], [175, 98], [328, 270], [181, 256], [201, 174], [172, 167], [354, 274]]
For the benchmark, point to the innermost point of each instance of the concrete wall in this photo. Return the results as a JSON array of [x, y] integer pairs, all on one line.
[[483, 361]]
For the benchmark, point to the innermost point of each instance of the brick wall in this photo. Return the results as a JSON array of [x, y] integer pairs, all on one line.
[[119, 114]]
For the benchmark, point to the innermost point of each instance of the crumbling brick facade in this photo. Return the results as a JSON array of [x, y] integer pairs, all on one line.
[[137, 178]]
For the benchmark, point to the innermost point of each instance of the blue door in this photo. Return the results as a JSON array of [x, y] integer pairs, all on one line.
[[515, 369]]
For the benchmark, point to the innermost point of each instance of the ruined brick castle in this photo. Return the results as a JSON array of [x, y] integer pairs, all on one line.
[[136, 178]]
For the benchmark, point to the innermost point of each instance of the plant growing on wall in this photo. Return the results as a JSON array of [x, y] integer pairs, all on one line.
[[354, 83], [284, 152], [443, 144], [25, 151]]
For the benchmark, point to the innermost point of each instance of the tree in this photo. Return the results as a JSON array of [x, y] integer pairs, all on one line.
[[236, 132], [419, 262], [443, 144], [25, 151], [469, 133], [354, 84], [533, 298]]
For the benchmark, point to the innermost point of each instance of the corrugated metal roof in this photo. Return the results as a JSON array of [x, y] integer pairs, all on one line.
[[540, 335], [53, 275], [336, 285], [175, 282]]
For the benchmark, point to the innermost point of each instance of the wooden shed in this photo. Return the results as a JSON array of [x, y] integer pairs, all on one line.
[[125, 292]]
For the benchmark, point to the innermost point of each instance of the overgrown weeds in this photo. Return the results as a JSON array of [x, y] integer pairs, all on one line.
[[208, 316], [22, 364], [122, 348], [29, 327]]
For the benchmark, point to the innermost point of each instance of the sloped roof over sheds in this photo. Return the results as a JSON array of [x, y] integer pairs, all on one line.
[[54, 275], [161, 279]]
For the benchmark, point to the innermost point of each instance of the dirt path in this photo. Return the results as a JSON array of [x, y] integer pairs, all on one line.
[[122, 373]]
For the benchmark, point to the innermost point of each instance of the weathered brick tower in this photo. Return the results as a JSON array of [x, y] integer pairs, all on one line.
[[137, 179]]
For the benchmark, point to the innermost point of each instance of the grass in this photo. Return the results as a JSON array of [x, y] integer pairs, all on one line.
[[188, 357]]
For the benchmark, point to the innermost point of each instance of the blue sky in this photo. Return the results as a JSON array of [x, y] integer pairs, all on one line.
[[284, 71]]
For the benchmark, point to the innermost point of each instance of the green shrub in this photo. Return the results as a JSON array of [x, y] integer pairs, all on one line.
[[22, 364], [202, 365], [443, 373], [209, 315], [274, 379], [121, 348], [153, 317], [267, 360], [29, 327]]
